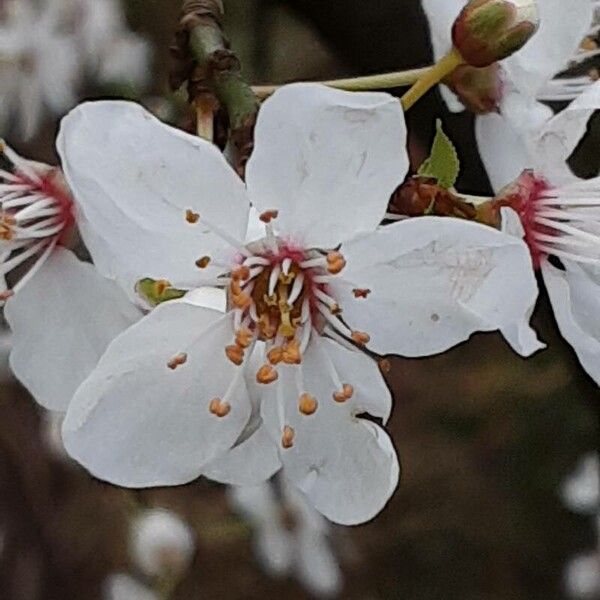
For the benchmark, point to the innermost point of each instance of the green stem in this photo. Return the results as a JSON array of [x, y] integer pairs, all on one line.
[[357, 84]]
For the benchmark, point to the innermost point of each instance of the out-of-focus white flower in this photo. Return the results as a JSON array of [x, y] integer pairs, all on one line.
[[558, 215], [290, 537], [39, 66], [121, 586], [155, 202], [581, 490], [161, 544], [582, 577], [532, 71], [5, 348]]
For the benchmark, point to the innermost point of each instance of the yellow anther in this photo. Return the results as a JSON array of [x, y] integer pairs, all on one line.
[[286, 328], [219, 408], [266, 374], [243, 337], [361, 292], [361, 338], [191, 216], [203, 262], [345, 394], [177, 361], [335, 262], [275, 355], [291, 353], [287, 439], [267, 328], [307, 404], [235, 354], [268, 216], [272, 300], [287, 279]]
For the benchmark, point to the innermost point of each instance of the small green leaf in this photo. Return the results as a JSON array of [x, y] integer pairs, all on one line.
[[156, 292], [442, 164]]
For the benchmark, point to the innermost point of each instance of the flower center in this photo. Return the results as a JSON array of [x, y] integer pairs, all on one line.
[[562, 222]]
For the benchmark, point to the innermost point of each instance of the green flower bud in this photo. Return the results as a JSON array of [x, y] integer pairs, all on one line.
[[487, 31]]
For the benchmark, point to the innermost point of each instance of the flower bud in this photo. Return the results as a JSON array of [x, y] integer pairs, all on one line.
[[487, 31], [161, 544], [479, 90]]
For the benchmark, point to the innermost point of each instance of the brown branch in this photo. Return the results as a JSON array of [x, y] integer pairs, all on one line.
[[204, 59]]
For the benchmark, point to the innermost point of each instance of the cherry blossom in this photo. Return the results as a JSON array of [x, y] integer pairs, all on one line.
[[287, 368]]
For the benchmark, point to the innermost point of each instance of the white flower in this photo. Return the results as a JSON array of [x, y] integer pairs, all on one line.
[[581, 490], [39, 66], [559, 216], [35, 211], [290, 537], [161, 543], [582, 577], [533, 69], [121, 586], [172, 393]]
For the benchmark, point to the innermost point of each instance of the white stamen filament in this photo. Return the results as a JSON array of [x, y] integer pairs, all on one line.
[[296, 288], [285, 265], [273, 278]]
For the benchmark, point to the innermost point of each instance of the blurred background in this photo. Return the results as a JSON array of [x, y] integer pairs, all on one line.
[[493, 447]]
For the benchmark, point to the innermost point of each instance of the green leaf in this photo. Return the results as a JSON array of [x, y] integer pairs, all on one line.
[[442, 164], [156, 292]]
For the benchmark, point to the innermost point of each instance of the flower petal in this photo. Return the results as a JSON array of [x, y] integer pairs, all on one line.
[[504, 140], [346, 466], [134, 178], [327, 160], [62, 321], [559, 137], [250, 462], [434, 281], [575, 298], [563, 25], [135, 422]]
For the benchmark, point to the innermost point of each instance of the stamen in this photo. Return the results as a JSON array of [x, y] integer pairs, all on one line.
[[266, 374], [235, 354], [275, 355], [287, 439], [345, 394], [285, 265], [296, 288], [244, 337], [335, 262], [361, 292], [291, 353], [203, 262], [177, 361], [273, 277], [219, 408], [268, 215], [307, 404], [361, 338], [191, 217]]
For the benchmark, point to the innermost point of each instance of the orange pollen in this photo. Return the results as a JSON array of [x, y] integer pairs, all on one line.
[[346, 393], [287, 439], [191, 217], [266, 374], [243, 337], [219, 408], [177, 361], [361, 292], [235, 354], [240, 273], [203, 262], [291, 353], [361, 338], [161, 286], [307, 404], [241, 300], [268, 216], [275, 355], [335, 262]]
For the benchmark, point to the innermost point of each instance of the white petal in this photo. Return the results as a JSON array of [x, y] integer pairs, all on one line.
[[560, 136], [328, 160], [504, 140], [121, 586], [441, 15], [134, 178], [563, 25], [250, 462], [346, 466], [434, 281], [62, 321], [575, 298], [137, 423]]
